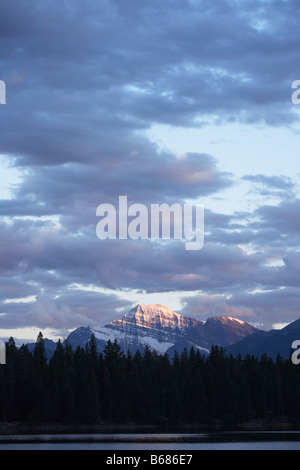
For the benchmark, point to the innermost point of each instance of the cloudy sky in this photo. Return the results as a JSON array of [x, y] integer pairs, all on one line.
[[167, 101]]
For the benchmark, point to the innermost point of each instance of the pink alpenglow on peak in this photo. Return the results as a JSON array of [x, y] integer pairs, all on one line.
[[155, 315], [157, 327]]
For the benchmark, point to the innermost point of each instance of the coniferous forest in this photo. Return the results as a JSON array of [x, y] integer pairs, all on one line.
[[87, 387]]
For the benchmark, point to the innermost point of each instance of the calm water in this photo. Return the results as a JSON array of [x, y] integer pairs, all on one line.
[[262, 440]]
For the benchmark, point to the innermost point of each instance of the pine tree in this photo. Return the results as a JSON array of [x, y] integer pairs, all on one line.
[[41, 399], [10, 406], [62, 396], [86, 387], [39, 354]]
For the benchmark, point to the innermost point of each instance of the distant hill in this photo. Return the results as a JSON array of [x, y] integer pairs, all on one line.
[[271, 342], [50, 347]]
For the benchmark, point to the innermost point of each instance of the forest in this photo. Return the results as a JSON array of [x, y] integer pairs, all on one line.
[[84, 386]]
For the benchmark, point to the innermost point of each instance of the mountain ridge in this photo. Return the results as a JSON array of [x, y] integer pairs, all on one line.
[[271, 342], [158, 327]]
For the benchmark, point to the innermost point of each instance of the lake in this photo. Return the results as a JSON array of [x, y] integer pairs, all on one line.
[[233, 440]]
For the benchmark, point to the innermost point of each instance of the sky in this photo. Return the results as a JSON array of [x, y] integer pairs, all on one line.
[[170, 101]]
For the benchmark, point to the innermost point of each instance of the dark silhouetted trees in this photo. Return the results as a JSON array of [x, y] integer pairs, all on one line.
[[88, 387]]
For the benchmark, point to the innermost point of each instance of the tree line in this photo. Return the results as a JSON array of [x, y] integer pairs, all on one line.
[[84, 386]]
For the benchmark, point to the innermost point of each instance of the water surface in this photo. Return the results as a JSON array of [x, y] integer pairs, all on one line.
[[234, 440]]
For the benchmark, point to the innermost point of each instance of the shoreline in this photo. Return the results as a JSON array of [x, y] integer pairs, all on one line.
[[46, 428]]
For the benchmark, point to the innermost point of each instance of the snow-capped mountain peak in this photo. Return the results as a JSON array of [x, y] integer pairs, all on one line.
[[154, 316], [227, 319], [164, 330]]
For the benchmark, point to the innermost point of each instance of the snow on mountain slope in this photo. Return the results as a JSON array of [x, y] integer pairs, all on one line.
[[159, 328], [152, 325]]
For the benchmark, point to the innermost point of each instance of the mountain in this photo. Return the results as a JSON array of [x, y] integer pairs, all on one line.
[[221, 331], [271, 342], [155, 326], [50, 347], [154, 316], [159, 328]]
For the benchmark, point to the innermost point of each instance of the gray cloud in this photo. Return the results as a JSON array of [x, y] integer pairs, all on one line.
[[84, 80]]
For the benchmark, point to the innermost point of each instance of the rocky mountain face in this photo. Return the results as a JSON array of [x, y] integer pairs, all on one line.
[[154, 316], [161, 329]]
